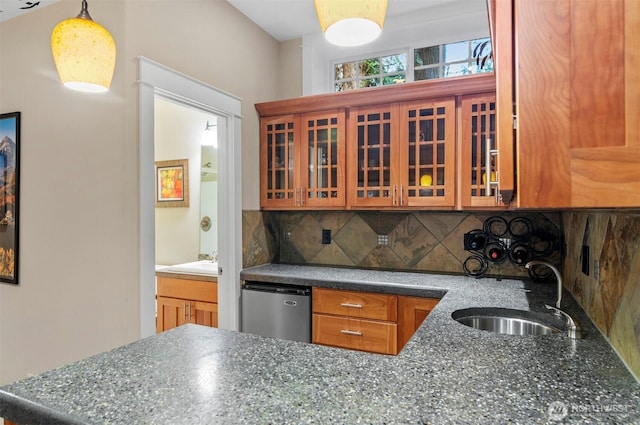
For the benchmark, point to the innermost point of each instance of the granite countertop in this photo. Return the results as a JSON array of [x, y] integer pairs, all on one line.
[[447, 373]]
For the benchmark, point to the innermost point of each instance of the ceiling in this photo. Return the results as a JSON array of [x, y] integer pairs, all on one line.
[[12, 8], [282, 19], [289, 19]]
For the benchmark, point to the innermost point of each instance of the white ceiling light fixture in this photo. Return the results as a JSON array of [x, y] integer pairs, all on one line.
[[84, 53], [210, 135], [350, 23]]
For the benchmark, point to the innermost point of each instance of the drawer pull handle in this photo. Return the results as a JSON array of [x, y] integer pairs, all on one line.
[[349, 332], [351, 305]]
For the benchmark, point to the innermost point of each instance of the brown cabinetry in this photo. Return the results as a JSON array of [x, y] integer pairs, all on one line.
[[377, 323], [571, 69], [404, 154], [356, 320], [401, 144], [302, 160], [411, 313], [478, 171], [183, 300]]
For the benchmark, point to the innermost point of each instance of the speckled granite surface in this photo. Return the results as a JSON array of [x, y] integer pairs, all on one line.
[[447, 373]]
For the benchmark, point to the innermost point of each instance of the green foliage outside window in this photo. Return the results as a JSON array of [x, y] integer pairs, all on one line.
[[441, 61]]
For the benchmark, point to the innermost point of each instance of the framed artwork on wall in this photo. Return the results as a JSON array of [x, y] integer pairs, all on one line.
[[9, 172], [172, 183]]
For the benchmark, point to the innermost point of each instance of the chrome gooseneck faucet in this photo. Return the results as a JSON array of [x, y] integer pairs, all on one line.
[[555, 271], [573, 330]]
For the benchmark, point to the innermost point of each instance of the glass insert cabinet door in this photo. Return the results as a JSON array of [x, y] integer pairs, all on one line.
[[323, 158], [427, 154], [371, 155], [479, 176], [279, 156]]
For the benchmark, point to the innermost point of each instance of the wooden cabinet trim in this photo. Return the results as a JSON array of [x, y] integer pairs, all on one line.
[[456, 86]]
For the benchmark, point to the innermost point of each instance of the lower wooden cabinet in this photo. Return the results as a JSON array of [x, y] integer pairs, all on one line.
[[411, 313], [377, 323], [183, 301]]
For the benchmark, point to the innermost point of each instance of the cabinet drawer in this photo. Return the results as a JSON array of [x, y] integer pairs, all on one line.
[[363, 305], [356, 334], [196, 290]]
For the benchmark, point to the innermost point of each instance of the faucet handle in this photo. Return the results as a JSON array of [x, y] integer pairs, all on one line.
[[573, 331]]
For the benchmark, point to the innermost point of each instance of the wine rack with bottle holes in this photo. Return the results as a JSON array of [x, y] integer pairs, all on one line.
[[516, 241]]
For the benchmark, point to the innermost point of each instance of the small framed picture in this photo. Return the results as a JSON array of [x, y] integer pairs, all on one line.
[[9, 173], [172, 183]]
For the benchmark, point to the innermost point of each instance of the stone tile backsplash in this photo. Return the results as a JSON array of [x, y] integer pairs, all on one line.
[[610, 293], [415, 241]]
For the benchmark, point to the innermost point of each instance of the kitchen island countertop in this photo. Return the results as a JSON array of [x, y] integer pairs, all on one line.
[[447, 373]]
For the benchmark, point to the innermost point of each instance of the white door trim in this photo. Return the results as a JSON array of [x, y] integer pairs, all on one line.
[[154, 78]]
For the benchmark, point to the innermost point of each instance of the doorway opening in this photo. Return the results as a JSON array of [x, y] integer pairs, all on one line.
[[158, 83], [187, 233]]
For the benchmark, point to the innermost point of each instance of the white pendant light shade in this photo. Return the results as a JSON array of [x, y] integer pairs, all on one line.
[[84, 53], [351, 23]]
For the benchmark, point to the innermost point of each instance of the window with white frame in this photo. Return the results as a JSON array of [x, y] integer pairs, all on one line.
[[440, 61], [371, 72], [452, 60]]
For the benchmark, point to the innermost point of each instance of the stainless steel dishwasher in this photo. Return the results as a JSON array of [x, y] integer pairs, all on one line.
[[277, 310]]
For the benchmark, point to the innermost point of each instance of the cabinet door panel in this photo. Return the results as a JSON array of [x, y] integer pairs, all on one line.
[[412, 312], [477, 141], [172, 313], [279, 159], [605, 143], [205, 314], [577, 131], [323, 159], [427, 153], [372, 155], [543, 100]]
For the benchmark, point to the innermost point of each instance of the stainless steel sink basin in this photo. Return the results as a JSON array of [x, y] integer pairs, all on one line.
[[508, 321]]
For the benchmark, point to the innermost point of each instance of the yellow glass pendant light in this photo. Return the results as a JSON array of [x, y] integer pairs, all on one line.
[[351, 23], [84, 53]]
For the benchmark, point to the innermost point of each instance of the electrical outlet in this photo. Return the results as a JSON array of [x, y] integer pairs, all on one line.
[[326, 236], [584, 256]]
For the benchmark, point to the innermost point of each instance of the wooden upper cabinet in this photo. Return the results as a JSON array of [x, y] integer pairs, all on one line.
[[279, 157], [575, 81], [373, 156], [479, 176], [426, 174], [402, 154], [302, 160], [323, 159], [391, 147]]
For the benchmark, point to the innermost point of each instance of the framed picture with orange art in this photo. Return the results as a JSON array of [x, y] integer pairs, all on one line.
[[9, 172], [172, 183]]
